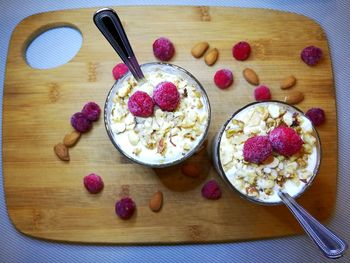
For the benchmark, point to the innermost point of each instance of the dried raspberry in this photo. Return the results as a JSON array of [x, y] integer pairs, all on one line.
[[141, 104], [91, 111], [166, 96], [241, 50], [223, 78], [125, 208], [93, 183], [163, 49], [311, 55], [257, 149], [316, 115], [119, 70], [262, 93], [80, 122], [211, 190], [285, 140]]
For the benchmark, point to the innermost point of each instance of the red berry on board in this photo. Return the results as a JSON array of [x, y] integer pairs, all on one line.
[[93, 183], [92, 111], [125, 208], [211, 190], [311, 55], [163, 49], [119, 70], [316, 115], [241, 51], [262, 93], [223, 78], [80, 122]]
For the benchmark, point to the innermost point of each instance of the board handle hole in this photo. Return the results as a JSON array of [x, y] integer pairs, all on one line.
[[53, 47]]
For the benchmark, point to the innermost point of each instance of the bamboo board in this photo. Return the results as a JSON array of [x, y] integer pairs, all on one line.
[[46, 198]]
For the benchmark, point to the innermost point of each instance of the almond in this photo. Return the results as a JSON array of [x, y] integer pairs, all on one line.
[[269, 160], [61, 151], [211, 57], [156, 202], [71, 138], [199, 49], [294, 97], [251, 76], [190, 170], [161, 146], [288, 82]]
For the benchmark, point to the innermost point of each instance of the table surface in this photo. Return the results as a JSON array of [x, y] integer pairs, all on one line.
[[333, 16]]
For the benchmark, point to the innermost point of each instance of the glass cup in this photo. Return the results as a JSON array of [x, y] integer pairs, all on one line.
[[120, 143], [218, 162]]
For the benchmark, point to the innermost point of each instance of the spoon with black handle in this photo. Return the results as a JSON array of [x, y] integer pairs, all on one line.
[[108, 22]]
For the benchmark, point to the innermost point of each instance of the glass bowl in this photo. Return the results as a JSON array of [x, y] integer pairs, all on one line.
[[146, 160], [218, 162]]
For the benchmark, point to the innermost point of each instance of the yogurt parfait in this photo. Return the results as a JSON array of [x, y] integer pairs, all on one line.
[[265, 148], [161, 121]]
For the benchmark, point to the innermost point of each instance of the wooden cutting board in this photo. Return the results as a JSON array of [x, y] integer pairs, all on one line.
[[45, 196]]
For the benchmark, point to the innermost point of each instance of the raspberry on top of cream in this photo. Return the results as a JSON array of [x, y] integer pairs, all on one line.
[[262, 181], [164, 136]]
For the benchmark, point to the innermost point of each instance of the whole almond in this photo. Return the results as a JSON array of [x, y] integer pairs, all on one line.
[[211, 57], [198, 50], [71, 138], [269, 160], [191, 170], [288, 82], [61, 151], [251, 76], [156, 202], [294, 97]]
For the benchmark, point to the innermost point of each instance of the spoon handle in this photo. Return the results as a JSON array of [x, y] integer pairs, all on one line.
[[330, 244], [108, 22]]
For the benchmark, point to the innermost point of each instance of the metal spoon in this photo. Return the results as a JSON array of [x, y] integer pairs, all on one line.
[[108, 22], [329, 243]]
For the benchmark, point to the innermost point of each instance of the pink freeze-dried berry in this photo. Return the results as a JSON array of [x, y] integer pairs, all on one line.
[[316, 115], [311, 55], [211, 190], [125, 208], [257, 149], [285, 140], [262, 93], [119, 70], [166, 96], [241, 50], [163, 49], [223, 78], [91, 111], [93, 183], [80, 122], [141, 104]]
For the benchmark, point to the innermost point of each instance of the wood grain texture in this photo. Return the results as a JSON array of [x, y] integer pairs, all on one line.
[[45, 196]]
